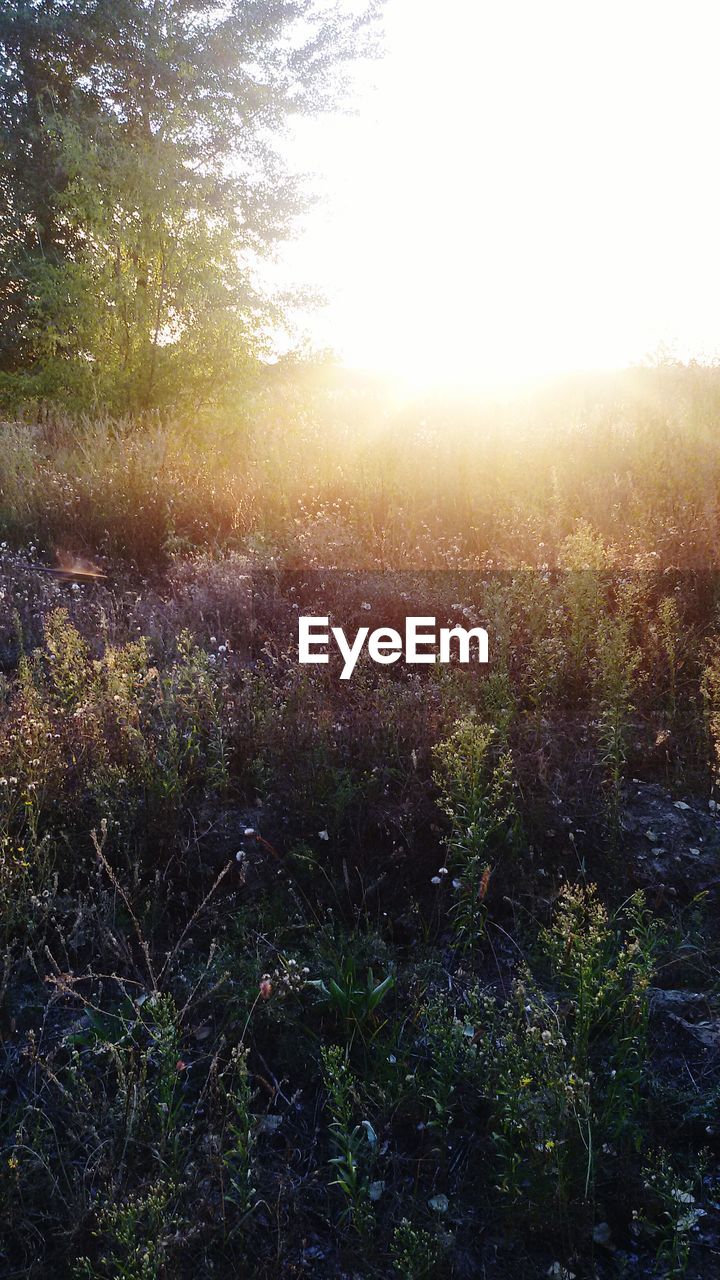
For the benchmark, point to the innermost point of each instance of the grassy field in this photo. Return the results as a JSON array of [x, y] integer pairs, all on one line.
[[413, 975]]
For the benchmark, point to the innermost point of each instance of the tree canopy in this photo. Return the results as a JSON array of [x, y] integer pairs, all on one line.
[[141, 177]]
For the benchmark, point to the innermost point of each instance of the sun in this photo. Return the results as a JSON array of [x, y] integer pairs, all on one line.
[[503, 205]]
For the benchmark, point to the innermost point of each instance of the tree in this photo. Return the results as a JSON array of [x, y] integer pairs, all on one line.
[[155, 182], [41, 70]]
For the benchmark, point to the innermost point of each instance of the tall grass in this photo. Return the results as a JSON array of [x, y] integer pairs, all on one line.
[[335, 470]]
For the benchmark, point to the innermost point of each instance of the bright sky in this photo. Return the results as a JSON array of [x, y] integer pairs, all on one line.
[[529, 187]]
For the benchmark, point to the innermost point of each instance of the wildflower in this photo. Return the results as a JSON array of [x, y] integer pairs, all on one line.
[[324, 835], [180, 1065], [266, 987], [436, 880], [249, 831]]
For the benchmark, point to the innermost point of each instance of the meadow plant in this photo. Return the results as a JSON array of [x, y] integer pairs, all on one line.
[[476, 794], [111, 729], [134, 1238], [614, 678], [415, 1252], [669, 632], [585, 560], [671, 1214], [354, 1144], [710, 688], [238, 1146], [563, 1075]]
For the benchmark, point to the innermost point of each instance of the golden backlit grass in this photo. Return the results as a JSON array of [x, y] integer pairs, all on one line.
[[323, 467]]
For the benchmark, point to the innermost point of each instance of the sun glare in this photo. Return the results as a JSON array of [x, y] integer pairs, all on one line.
[[524, 189]]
